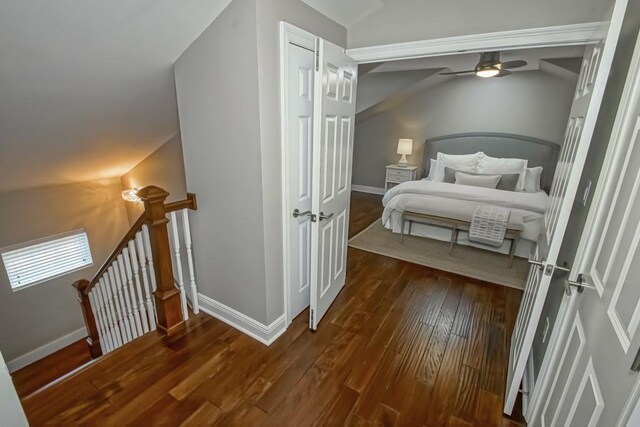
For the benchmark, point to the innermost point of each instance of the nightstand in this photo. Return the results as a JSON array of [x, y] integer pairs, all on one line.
[[397, 174]]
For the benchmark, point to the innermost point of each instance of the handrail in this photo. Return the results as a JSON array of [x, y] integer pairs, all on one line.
[[189, 203]]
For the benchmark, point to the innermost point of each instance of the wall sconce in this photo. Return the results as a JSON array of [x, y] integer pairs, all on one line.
[[131, 195]]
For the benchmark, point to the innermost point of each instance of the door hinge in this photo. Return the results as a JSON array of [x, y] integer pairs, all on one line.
[[317, 54], [311, 319]]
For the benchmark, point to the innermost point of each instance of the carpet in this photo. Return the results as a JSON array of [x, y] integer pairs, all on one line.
[[464, 260]]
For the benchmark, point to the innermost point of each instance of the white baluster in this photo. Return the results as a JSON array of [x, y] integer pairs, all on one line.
[[103, 314], [98, 322], [131, 288], [192, 276], [112, 304], [176, 248], [151, 312], [123, 292], [149, 253], [136, 275], [116, 288]]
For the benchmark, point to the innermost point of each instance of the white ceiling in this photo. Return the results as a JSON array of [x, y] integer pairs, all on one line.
[[86, 87], [346, 12]]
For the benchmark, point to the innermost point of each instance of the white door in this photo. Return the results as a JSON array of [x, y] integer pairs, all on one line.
[[299, 78], [335, 93], [592, 381], [11, 410], [582, 119]]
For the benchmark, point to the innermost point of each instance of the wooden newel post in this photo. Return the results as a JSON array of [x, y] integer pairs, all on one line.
[[167, 296], [93, 340]]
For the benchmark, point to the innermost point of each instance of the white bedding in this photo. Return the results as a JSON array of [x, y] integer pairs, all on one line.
[[530, 205]]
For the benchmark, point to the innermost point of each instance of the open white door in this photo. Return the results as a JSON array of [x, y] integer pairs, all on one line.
[[594, 376], [336, 75], [582, 119]]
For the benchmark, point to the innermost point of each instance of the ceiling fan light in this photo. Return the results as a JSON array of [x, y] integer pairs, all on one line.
[[487, 72]]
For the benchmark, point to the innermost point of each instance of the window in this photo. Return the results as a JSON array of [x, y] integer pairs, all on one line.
[[39, 260]]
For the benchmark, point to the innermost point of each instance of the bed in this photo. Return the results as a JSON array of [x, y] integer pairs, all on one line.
[[431, 191]]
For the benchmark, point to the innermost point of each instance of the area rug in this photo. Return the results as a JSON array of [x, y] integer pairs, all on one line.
[[464, 260]]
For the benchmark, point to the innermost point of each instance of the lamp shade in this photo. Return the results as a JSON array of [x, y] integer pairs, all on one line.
[[405, 146]]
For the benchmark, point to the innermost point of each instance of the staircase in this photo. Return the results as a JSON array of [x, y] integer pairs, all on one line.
[[136, 292]]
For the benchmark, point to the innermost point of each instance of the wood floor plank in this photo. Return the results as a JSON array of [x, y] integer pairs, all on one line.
[[338, 411], [206, 415]]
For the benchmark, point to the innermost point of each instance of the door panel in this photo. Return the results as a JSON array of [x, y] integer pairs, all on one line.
[[582, 118], [602, 387], [333, 148], [300, 78]]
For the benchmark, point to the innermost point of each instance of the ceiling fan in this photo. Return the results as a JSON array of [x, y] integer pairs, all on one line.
[[491, 66]]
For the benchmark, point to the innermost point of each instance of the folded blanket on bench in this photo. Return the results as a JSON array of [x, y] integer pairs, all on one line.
[[489, 225]]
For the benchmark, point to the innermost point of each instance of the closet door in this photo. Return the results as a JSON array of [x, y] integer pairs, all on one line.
[[582, 119], [336, 76]]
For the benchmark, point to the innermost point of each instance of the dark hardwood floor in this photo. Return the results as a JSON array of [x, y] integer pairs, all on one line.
[[44, 371], [401, 345]]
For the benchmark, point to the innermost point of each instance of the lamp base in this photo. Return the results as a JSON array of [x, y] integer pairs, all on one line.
[[403, 162]]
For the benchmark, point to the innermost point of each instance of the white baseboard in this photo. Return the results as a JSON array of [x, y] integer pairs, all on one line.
[[47, 349], [367, 189], [266, 334]]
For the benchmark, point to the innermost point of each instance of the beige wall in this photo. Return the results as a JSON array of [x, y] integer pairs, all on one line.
[[38, 315], [163, 168]]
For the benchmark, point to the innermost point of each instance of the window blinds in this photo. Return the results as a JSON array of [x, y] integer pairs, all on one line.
[[40, 260]]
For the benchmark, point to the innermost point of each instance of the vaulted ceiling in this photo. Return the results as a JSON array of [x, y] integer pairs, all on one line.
[[87, 88]]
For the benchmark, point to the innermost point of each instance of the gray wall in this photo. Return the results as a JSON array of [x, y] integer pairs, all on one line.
[[410, 20], [164, 168], [40, 314], [592, 169], [217, 89], [228, 102], [530, 103]]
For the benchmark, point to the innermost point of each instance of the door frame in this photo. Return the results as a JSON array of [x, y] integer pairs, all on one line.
[[288, 34], [570, 303], [561, 35]]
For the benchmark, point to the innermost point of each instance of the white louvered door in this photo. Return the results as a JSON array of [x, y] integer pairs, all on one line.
[[584, 112], [334, 115], [592, 382]]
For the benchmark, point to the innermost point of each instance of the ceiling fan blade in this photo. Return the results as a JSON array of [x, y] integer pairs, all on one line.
[[513, 64], [458, 72], [503, 73]]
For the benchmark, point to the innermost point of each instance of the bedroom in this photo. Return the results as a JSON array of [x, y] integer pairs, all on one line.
[[517, 115]]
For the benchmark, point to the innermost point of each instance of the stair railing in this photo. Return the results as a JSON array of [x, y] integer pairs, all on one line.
[[135, 291]]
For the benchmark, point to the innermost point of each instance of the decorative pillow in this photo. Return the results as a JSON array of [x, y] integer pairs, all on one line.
[[497, 166], [532, 179], [486, 181], [461, 162], [508, 182]]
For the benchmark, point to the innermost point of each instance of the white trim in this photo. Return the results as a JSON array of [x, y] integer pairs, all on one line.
[[367, 189], [266, 334], [45, 350], [561, 35], [288, 34]]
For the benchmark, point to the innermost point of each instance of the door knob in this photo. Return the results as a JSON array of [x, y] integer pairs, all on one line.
[[580, 283], [297, 213], [323, 216], [539, 264]]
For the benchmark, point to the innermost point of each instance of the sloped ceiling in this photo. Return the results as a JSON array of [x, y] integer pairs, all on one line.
[[86, 87]]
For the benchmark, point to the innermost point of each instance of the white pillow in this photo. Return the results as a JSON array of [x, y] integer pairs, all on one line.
[[497, 166], [532, 179], [460, 162], [486, 181], [432, 169]]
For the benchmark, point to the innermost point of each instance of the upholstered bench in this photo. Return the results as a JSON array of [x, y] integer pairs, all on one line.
[[460, 221]]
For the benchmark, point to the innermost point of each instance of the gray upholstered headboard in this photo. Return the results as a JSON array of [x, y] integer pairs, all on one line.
[[537, 151]]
